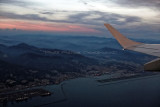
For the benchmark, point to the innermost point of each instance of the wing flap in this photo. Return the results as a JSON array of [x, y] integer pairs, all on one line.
[[153, 65]]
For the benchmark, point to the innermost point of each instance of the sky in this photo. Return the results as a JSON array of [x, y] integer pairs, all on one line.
[[132, 17]]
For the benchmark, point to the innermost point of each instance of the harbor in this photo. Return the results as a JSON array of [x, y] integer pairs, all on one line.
[[22, 95]]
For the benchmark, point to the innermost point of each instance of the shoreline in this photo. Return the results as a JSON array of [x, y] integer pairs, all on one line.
[[123, 79]]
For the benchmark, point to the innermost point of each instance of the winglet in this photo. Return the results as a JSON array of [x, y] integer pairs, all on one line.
[[124, 42]]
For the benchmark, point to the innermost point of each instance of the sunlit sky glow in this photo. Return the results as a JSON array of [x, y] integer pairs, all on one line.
[[86, 16]]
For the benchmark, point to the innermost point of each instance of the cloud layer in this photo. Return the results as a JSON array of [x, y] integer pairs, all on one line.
[[82, 15], [137, 3]]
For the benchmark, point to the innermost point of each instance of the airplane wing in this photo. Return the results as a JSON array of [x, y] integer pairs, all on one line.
[[151, 49]]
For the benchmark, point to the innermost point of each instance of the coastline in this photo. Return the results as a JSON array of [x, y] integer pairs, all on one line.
[[123, 79]]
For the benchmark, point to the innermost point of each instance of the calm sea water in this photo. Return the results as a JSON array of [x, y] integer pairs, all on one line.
[[87, 92]]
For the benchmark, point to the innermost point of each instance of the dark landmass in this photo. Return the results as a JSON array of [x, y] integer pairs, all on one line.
[[24, 66], [45, 59]]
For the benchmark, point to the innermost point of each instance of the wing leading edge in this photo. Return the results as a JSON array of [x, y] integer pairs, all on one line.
[[151, 49]]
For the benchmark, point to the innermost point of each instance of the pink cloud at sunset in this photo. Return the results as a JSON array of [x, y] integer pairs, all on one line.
[[46, 27]]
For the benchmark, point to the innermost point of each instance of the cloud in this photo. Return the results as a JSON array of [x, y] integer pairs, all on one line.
[[16, 2], [85, 18], [123, 14], [98, 18], [26, 16], [47, 13], [137, 3], [92, 21], [85, 2], [36, 26]]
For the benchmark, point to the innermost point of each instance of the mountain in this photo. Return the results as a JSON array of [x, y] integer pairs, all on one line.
[[23, 46], [46, 59], [69, 61], [130, 56], [73, 43], [10, 70], [28, 64], [67, 42], [23, 63], [116, 57]]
